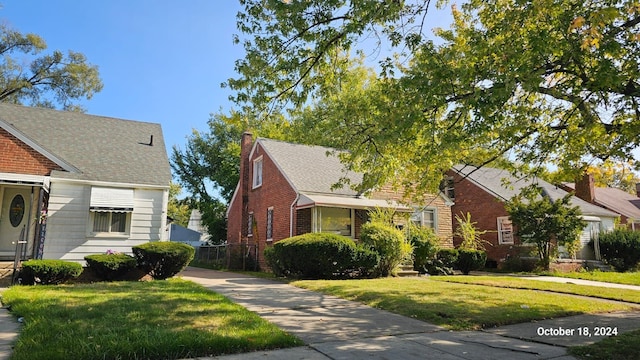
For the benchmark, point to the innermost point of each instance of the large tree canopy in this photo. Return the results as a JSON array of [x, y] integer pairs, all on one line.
[[47, 80], [543, 81]]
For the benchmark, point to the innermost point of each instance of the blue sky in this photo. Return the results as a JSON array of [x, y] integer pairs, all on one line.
[[160, 60]]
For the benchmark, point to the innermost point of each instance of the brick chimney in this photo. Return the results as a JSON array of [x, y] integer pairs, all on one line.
[[245, 150], [638, 190], [585, 188]]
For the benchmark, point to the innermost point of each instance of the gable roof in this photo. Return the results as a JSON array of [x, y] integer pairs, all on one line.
[[309, 168], [617, 200], [503, 185], [90, 147]]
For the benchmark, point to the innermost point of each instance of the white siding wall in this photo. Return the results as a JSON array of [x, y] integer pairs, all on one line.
[[68, 224]]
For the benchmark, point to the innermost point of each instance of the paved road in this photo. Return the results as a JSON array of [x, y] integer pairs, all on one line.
[[334, 328]]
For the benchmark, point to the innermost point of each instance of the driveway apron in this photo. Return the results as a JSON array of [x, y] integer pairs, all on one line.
[[334, 328]]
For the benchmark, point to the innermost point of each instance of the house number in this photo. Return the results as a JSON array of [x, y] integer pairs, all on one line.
[[16, 210]]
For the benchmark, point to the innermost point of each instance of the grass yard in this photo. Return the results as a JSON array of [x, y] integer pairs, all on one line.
[[632, 296], [622, 347], [628, 278], [170, 319], [459, 306]]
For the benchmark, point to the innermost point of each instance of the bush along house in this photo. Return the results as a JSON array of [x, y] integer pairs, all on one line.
[[287, 189], [482, 192], [73, 184]]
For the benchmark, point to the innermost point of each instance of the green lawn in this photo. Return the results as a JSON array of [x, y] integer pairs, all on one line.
[[459, 306], [629, 278], [169, 319], [622, 347], [518, 283]]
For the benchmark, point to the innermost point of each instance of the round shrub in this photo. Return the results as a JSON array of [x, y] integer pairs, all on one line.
[[620, 248], [49, 272], [320, 256], [388, 242], [163, 259], [469, 260], [425, 247], [110, 266]]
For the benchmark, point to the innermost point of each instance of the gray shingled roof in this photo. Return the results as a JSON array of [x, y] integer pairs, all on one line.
[[101, 148], [501, 184], [313, 169], [617, 200]]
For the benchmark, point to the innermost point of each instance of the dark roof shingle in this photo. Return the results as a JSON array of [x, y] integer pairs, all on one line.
[[101, 148]]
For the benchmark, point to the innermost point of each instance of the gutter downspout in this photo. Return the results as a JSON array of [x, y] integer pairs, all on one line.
[[293, 204]]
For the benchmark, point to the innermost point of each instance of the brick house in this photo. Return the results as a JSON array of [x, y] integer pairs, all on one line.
[[286, 189], [482, 193], [619, 201], [73, 184]]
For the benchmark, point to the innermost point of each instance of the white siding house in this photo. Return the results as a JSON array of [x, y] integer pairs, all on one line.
[[92, 184]]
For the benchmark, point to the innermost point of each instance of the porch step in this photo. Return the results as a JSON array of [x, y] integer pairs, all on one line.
[[406, 270]]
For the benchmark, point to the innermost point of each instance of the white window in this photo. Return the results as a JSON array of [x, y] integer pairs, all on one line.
[[505, 230], [425, 218], [110, 210], [250, 225], [107, 222], [270, 224], [333, 220], [257, 172]]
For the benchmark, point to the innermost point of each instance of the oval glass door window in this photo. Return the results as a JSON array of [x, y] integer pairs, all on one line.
[[16, 210]]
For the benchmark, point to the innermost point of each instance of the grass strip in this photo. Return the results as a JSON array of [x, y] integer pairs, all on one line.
[[459, 306], [632, 296], [622, 347], [168, 319], [627, 278]]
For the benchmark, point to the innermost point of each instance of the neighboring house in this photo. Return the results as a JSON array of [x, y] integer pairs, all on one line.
[[288, 189], [181, 234], [482, 193], [616, 200], [195, 234], [76, 184]]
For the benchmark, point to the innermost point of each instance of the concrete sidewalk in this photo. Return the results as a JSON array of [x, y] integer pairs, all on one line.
[[334, 328]]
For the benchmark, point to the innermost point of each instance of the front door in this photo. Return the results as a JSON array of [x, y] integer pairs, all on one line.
[[14, 216]]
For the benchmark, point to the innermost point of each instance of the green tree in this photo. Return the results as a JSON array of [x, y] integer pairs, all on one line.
[[48, 79], [208, 168], [539, 220], [546, 81], [471, 236], [177, 209], [609, 173]]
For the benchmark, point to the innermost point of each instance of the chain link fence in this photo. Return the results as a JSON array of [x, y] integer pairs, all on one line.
[[228, 256]]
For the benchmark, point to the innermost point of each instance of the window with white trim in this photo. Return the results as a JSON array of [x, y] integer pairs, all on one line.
[[505, 230], [110, 211], [270, 224], [110, 222], [425, 218], [257, 172], [333, 220]]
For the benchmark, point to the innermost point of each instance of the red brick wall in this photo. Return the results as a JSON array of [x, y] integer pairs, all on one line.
[[485, 210], [18, 158], [303, 221]]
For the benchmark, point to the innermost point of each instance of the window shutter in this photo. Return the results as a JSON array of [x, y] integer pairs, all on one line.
[[111, 199]]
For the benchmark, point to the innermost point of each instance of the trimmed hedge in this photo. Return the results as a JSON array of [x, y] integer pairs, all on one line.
[[163, 259], [388, 242], [49, 272], [469, 260], [620, 248], [320, 256], [110, 266]]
